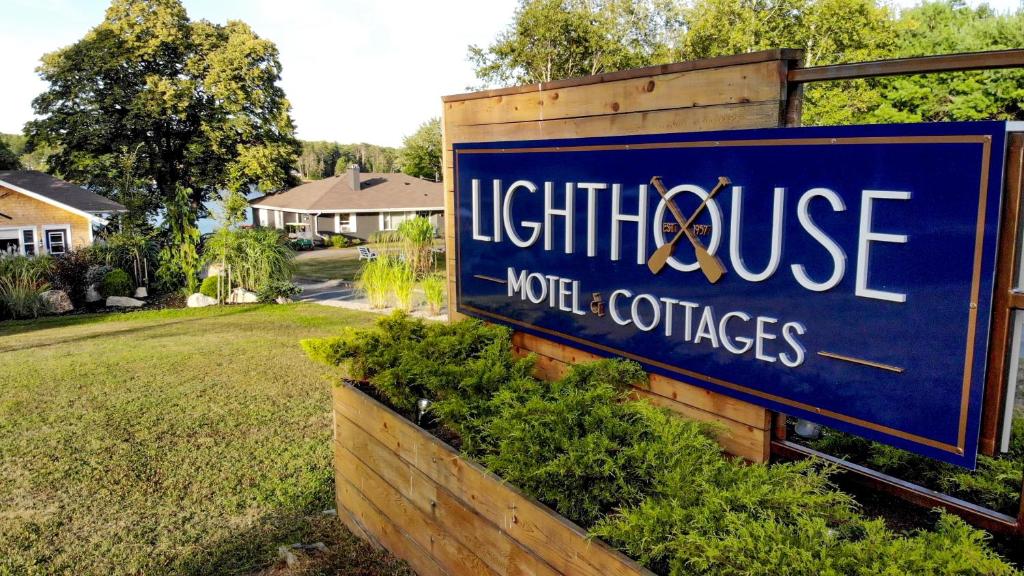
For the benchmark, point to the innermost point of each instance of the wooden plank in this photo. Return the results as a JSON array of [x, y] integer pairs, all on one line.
[[450, 554], [384, 530], [367, 456], [755, 115], [675, 67], [758, 82], [551, 537], [738, 439], [706, 400]]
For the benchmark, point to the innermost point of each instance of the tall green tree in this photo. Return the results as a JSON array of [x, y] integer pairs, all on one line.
[[8, 159], [552, 39], [198, 101], [318, 160], [420, 155]]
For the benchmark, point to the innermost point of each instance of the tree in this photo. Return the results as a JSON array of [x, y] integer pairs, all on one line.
[[552, 39], [318, 160], [198, 101], [420, 155], [8, 159]]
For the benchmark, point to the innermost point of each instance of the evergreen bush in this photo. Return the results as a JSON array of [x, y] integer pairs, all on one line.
[[209, 288], [647, 481], [117, 282]]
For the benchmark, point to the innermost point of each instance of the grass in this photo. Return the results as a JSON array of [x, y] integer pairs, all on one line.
[[171, 442], [328, 266]]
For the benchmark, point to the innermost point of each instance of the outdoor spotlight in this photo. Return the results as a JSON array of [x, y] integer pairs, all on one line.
[[422, 405], [807, 429]]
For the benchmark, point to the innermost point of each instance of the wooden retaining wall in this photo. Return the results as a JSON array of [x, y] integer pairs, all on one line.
[[732, 92], [407, 491]]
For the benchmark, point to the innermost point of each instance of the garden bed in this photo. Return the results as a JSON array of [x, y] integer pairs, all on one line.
[[405, 489], [596, 474]]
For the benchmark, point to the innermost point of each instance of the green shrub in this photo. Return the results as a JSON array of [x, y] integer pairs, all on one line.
[[650, 483], [209, 288], [434, 286], [339, 241], [68, 272], [117, 282], [275, 289], [994, 484]]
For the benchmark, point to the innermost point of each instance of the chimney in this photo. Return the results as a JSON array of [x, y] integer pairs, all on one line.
[[353, 177]]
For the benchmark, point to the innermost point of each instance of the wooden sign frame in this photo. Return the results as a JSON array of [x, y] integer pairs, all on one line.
[[756, 90]]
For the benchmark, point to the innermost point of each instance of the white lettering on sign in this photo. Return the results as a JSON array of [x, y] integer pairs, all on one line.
[[736, 331], [867, 236], [559, 208]]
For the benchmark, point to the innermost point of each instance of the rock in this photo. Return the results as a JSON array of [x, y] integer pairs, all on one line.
[[285, 554], [57, 301], [124, 302], [92, 295], [198, 300], [283, 300], [242, 296], [141, 292]]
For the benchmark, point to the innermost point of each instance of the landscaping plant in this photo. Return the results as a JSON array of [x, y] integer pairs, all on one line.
[[650, 483], [211, 287], [68, 272], [376, 281], [339, 241], [254, 256], [21, 287], [434, 286], [403, 281], [417, 238], [275, 289], [995, 484], [117, 282]]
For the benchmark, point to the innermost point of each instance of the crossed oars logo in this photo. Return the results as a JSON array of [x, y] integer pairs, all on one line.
[[710, 265]]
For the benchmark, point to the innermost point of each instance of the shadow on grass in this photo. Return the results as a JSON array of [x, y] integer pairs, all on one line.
[[254, 551], [23, 327]]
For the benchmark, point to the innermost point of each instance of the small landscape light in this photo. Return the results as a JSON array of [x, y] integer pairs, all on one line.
[[807, 429], [422, 406]]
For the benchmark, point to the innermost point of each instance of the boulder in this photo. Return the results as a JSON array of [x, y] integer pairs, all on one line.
[[123, 302], [198, 300], [242, 296], [283, 300], [92, 294], [141, 292], [57, 301]]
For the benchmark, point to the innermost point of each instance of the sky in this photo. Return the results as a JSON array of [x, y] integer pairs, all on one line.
[[354, 70]]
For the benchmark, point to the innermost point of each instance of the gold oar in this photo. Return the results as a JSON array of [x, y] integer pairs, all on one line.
[[710, 265]]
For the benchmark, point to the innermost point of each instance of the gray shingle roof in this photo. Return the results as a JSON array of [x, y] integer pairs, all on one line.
[[59, 191], [379, 191]]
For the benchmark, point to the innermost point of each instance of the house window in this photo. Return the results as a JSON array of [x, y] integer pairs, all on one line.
[[56, 242], [345, 223], [263, 217], [278, 220], [392, 220], [28, 237]]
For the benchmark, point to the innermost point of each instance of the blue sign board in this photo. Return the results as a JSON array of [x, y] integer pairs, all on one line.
[[840, 274]]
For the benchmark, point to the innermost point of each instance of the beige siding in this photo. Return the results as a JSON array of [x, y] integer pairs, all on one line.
[[25, 211]]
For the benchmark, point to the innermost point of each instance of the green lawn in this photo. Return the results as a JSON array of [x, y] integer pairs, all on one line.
[[170, 442], [329, 266]]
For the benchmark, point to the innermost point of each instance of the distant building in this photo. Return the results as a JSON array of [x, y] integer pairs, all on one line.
[[352, 204], [40, 214]]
